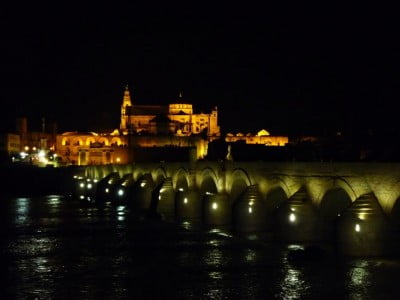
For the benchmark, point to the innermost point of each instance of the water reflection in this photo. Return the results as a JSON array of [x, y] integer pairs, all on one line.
[[213, 257], [121, 213], [35, 270], [293, 286], [359, 279], [294, 283], [59, 249], [22, 210], [250, 255]]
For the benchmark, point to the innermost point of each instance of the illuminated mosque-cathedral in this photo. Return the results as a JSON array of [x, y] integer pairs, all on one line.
[[176, 118]]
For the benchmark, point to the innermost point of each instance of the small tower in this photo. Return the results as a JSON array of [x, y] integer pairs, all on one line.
[[214, 129], [180, 97], [126, 103]]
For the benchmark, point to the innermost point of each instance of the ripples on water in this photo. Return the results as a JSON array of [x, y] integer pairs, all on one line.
[[52, 248]]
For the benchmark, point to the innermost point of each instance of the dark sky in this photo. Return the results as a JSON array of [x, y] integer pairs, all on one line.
[[286, 69]]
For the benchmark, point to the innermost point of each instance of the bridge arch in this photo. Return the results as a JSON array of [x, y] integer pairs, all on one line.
[[277, 185], [209, 182], [123, 169], [333, 203], [137, 172], [159, 175], [347, 187], [180, 180], [239, 180]]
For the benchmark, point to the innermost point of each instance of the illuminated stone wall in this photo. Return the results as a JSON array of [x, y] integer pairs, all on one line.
[[264, 140], [262, 137], [94, 149], [198, 143], [91, 148]]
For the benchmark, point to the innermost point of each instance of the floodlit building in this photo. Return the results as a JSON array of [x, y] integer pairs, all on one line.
[[90, 148], [177, 118], [262, 137]]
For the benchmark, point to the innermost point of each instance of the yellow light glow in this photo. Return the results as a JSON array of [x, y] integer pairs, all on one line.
[[185, 200], [82, 185], [41, 154], [357, 228], [107, 190], [159, 197], [250, 210], [89, 186], [118, 159], [120, 192], [26, 148], [292, 217], [180, 189], [214, 206], [142, 184]]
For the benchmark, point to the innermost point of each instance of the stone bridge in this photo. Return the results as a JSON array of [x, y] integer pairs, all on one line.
[[356, 205]]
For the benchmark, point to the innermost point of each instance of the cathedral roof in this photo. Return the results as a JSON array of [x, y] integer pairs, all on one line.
[[147, 110], [161, 119]]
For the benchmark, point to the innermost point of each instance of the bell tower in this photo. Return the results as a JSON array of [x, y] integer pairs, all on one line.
[[126, 104]]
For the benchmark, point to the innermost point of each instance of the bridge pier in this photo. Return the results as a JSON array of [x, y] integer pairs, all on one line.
[[249, 212], [164, 195], [217, 209], [141, 198], [297, 219], [188, 205], [363, 229]]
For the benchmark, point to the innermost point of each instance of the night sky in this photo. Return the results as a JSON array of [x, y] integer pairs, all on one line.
[[293, 69]]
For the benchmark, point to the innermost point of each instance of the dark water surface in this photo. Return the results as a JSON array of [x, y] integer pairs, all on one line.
[[53, 248]]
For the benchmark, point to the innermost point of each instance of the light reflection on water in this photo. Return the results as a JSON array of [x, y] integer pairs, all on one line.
[[293, 286], [55, 248], [359, 279], [22, 210]]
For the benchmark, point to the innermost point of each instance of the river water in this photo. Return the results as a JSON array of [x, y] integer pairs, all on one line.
[[54, 248]]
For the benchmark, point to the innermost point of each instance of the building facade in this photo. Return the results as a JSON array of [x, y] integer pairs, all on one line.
[[177, 119], [90, 148], [262, 137]]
